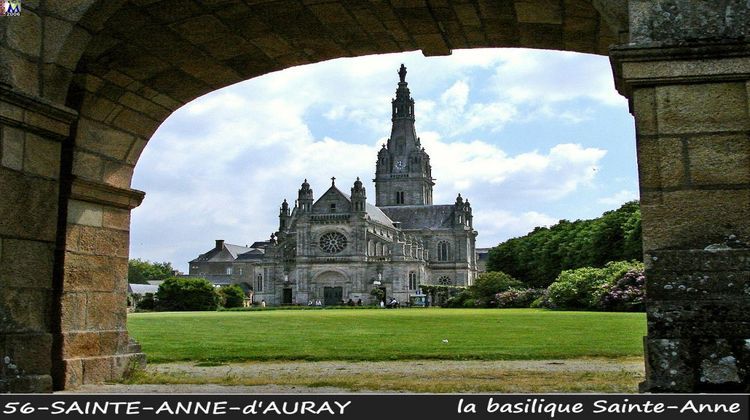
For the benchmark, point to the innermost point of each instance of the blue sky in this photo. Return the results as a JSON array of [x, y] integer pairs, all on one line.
[[529, 137]]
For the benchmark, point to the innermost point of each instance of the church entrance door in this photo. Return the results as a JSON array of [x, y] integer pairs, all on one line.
[[332, 295], [286, 297]]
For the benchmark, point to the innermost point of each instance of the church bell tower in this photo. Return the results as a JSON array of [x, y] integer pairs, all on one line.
[[403, 174]]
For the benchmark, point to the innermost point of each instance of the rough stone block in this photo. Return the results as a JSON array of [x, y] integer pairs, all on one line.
[[81, 344], [97, 241], [12, 151], [22, 72], [42, 157], [96, 107], [719, 364], [117, 174], [668, 365], [44, 122], [93, 273], [73, 311], [116, 219], [19, 255], [661, 163], [73, 373], [106, 311], [546, 11], [145, 106], [25, 34], [83, 213], [693, 219], [97, 370], [88, 166], [136, 123], [29, 384], [719, 159], [11, 111], [697, 318], [31, 352], [103, 139], [700, 108], [124, 365], [25, 310], [644, 110], [28, 208], [56, 81]]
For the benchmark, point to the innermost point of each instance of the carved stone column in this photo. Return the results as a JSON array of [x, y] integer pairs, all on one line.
[[693, 141]]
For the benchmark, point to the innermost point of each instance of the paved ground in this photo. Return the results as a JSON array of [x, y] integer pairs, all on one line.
[[335, 368]]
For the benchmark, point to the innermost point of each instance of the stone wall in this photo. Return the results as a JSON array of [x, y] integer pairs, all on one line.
[[699, 331]]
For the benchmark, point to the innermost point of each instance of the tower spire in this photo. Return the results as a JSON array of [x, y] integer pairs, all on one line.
[[403, 173]]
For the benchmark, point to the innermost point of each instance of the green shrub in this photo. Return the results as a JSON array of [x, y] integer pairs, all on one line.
[[518, 298], [147, 302], [488, 285], [187, 294], [462, 299], [232, 296], [583, 288]]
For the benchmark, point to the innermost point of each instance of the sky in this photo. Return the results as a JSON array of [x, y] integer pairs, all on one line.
[[530, 137]]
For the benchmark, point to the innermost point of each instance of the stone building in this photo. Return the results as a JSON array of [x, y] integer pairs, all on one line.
[[341, 247]]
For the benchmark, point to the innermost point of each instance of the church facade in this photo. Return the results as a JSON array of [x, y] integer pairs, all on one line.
[[339, 246]]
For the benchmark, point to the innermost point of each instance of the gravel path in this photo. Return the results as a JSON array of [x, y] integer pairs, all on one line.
[[329, 369]]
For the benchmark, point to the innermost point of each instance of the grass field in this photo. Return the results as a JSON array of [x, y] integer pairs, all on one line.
[[377, 334]]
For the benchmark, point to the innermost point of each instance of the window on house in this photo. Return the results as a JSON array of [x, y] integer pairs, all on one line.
[[412, 280], [229, 270], [259, 283], [333, 207]]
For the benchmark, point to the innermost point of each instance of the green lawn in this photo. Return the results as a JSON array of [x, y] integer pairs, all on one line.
[[378, 334]]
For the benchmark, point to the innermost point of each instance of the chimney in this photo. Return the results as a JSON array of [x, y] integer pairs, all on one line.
[[219, 244]]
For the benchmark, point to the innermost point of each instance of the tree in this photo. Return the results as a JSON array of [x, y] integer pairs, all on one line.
[[232, 296], [540, 256], [187, 294], [141, 271]]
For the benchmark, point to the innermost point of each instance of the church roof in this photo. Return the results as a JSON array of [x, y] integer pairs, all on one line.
[[374, 213], [377, 215], [421, 216]]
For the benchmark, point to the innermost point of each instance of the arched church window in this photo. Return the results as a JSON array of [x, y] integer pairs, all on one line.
[[445, 281], [443, 251], [259, 283]]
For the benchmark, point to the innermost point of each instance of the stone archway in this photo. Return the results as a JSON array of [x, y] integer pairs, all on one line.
[[85, 83]]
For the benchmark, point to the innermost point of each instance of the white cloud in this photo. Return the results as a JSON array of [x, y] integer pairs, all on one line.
[[506, 224], [619, 198]]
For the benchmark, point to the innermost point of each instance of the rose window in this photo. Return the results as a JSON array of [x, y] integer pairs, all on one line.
[[332, 242], [445, 281]]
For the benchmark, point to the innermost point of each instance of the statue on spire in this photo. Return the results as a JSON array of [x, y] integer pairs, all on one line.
[[402, 73]]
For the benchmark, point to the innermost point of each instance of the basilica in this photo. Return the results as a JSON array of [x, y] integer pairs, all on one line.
[[340, 247]]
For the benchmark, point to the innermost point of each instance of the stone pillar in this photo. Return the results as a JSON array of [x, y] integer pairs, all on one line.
[[94, 338], [32, 131], [693, 143]]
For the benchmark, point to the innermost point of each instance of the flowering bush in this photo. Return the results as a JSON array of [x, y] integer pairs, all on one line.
[[517, 298], [627, 295], [584, 287]]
